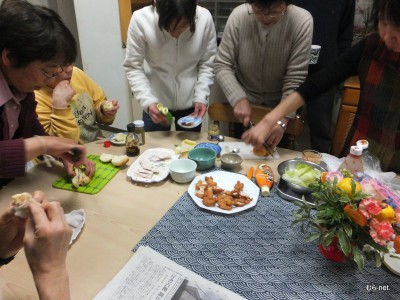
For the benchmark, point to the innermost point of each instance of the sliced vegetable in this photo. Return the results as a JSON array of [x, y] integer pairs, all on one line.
[[302, 175]]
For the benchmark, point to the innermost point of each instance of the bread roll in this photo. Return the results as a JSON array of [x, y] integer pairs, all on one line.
[[120, 160], [21, 203], [106, 158], [108, 106]]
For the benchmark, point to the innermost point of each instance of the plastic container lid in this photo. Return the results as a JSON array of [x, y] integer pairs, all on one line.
[[363, 144], [139, 123], [355, 150]]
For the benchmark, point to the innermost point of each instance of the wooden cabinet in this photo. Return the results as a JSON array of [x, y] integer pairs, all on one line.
[[347, 112], [126, 7]]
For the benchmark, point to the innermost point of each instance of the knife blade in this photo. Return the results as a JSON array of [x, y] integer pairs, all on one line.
[[266, 146]]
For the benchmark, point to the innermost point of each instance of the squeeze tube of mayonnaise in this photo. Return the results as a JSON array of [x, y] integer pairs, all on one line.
[[264, 178]]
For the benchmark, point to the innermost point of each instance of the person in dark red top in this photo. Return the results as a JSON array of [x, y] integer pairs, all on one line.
[[34, 47]]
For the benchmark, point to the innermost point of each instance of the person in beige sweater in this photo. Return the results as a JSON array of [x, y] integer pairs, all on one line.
[[263, 56]]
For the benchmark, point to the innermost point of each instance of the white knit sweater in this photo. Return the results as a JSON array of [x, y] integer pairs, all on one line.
[[160, 68]]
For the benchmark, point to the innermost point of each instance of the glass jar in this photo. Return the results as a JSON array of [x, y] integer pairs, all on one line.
[[213, 132], [132, 141], [139, 130]]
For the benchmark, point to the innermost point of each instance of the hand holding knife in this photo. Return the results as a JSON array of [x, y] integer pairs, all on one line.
[[266, 146]]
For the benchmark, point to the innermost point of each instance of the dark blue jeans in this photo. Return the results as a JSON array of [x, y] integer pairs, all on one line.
[[149, 125]]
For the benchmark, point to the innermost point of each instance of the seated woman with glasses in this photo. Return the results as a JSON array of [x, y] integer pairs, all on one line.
[[263, 57]]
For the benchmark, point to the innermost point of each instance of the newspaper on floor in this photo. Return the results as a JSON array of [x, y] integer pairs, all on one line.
[[150, 275]]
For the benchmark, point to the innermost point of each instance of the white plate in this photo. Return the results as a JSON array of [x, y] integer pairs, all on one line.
[[392, 263], [113, 141], [161, 165], [189, 122], [227, 181]]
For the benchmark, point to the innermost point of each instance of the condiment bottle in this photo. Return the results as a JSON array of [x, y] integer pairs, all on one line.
[[370, 161], [165, 112], [139, 130], [213, 132], [132, 141], [264, 178], [353, 161]]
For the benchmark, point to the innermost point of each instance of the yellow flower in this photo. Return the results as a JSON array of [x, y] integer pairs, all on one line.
[[387, 213], [344, 186]]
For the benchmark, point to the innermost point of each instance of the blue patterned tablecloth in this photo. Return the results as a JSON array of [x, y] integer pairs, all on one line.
[[259, 255]]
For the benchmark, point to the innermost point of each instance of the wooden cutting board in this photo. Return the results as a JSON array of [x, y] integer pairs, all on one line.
[[246, 151]]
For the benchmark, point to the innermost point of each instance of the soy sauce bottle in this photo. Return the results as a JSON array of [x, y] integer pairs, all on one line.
[[132, 141]]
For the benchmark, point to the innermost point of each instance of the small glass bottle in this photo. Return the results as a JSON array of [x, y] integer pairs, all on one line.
[[139, 130], [132, 141], [353, 161], [213, 132], [370, 162]]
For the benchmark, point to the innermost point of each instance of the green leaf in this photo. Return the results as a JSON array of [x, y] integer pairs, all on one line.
[[348, 229], [344, 243], [312, 237], [358, 257]]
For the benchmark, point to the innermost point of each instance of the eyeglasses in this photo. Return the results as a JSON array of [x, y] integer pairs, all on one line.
[[266, 13], [49, 76]]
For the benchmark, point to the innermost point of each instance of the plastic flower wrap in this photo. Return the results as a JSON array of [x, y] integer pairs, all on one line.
[[361, 218]]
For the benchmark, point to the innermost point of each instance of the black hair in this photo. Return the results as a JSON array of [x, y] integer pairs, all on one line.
[[31, 32], [268, 3], [388, 10], [171, 12]]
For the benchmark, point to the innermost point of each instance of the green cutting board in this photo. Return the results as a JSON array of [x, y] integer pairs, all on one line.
[[104, 173]]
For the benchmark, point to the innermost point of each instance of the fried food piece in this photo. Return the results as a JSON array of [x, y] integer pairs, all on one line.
[[207, 201], [225, 203], [199, 184], [208, 192], [217, 190], [210, 181], [238, 186]]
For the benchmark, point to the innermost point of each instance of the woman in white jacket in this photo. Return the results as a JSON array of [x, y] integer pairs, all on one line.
[[169, 59]]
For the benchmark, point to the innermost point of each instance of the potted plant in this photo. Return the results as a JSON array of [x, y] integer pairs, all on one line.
[[353, 220]]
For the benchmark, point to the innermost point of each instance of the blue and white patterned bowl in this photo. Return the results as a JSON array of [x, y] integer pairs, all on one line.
[[213, 146]]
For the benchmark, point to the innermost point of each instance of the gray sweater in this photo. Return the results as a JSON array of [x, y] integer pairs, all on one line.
[[263, 64]]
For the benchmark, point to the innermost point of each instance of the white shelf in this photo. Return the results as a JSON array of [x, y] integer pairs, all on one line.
[[220, 10]]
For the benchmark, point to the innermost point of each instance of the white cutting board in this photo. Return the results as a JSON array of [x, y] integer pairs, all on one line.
[[246, 151]]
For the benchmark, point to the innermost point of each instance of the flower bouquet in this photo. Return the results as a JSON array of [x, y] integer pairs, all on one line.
[[354, 219]]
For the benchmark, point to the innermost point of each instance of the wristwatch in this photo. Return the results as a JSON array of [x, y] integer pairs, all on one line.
[[4, 261], [283, 125]]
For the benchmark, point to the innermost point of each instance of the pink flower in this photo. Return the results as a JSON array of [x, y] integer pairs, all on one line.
[[369, 207], [381, 231], [332, 175]]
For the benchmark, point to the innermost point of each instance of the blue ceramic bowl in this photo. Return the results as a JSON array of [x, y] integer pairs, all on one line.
[[204, 157], [213, 146]]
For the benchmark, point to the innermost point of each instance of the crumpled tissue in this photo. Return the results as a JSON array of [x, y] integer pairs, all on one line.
[[76, 220]]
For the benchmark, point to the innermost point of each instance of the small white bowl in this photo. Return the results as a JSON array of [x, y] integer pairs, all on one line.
[[182, 170]]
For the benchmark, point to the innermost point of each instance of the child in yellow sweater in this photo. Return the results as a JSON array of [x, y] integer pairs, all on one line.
[[72, 105]]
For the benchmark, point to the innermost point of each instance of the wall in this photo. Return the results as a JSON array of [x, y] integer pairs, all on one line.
[[102, 52]]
